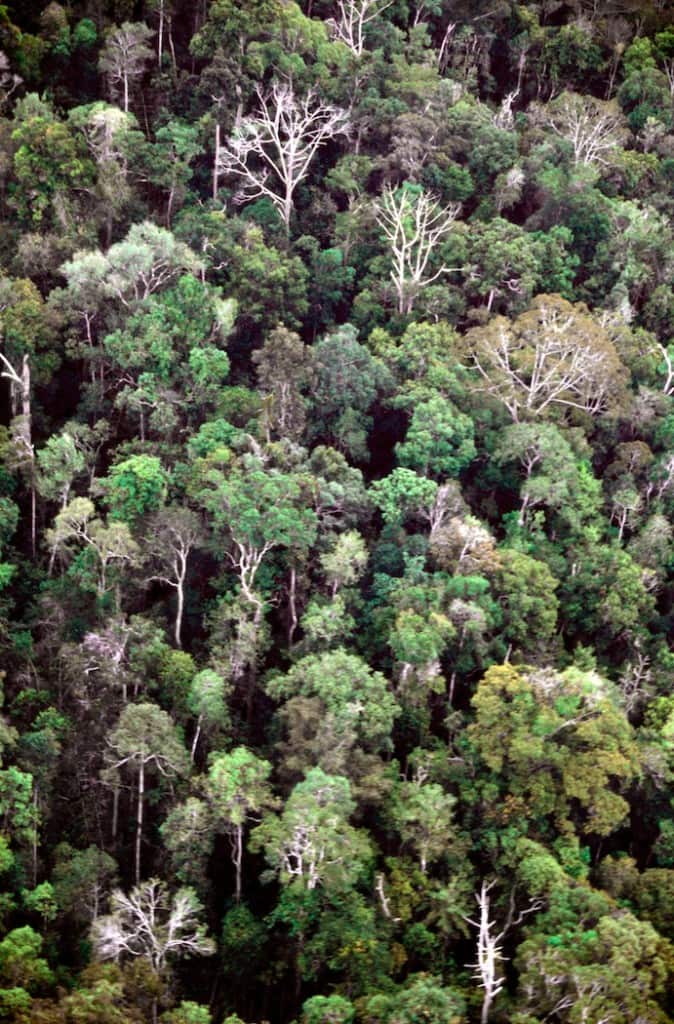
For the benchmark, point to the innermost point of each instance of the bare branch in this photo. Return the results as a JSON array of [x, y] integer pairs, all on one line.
[[414, 224], [271, 151]]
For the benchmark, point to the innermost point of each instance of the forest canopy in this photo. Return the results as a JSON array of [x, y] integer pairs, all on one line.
[[337, 512]]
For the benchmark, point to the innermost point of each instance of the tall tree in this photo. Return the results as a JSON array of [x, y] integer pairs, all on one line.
[[414, 224], [239, 791], [143, 740], [151, 923], [555, 354], [271, 151], [173, 533], [125, 58]]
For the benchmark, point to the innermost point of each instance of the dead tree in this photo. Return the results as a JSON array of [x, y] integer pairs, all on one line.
[[414, 224], [271, 151], [489, 944], [353, 18]]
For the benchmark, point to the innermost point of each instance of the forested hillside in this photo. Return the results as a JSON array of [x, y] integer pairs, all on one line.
[[337, 512]]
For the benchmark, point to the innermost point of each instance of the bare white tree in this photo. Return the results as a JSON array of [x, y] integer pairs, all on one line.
[[150, 924], [271, 150], [636, 681], [353, 18], [125, 57], [414, 224], [593, 127], [489, 954], [489, 944]]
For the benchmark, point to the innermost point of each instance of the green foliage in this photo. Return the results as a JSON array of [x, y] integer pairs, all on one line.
[[327, 1010], [439, 440], [312, 842], [396, 465], [136, 487]]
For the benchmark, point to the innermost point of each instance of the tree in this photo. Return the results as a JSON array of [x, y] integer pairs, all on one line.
[[9, 80], [345, 563], [423, 814], [505, 264], [22, 426], [173, 533], [151, 924], [52, 172], [188, 1012], [547, 459], [170, 158], [23, 971], [143, 740], [327, 1010], [555, 354], [207, 701], [357, 704], [261, 511], [110, 545], [414, 223], [82, 881], [403, 493], [271, 151], [125, 57], [167, 364], [188, 835], [60, 462], [439, 440], [239, 791], [283, 366], [135, 487], [422, 997], [489, 948], [149, 259], [311, 843], [572, 724], [353, 18], [589, 958], [530, 606], [593, 128], [347, 379]]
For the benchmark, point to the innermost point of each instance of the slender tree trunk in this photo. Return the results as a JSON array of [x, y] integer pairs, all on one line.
[[180, 610], [139, 817], [35, 815], [238, 858], [126, 94], [292, 606], [160, 38], [172, 48], [523, 509], [33, 511], [197, 736], [27, 434], [115, 812], [216, 161]]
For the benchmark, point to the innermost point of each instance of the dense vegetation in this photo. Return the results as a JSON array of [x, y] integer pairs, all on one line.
[[337, 511]]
